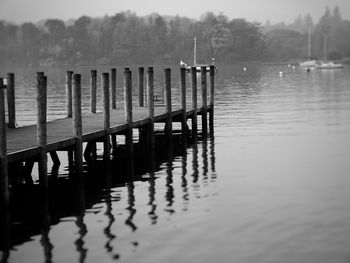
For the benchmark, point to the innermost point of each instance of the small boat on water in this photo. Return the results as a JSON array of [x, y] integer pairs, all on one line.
[[328, 65], [198, 66], [309, 63]]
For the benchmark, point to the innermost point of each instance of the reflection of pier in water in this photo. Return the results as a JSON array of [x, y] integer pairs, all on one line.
[[176, 199]]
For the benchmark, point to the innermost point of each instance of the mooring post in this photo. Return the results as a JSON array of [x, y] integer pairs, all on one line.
[[93, 87], [204, 101], [211, 100], [150, 104], [141, 86], [129, 118], [69, 75], [114, 87], [11, 100], [168, 124], [77, 126], [41, 100], [106, 117], [194, 103], [4, 187], [3, 149], [183, 103], [128, 107]]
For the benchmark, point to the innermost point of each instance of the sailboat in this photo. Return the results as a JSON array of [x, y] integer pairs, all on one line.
[[309, 63], [327, 64], [195, 64]]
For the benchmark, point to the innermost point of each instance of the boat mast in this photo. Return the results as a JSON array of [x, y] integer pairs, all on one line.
[[325, 47], [195, 52], [309, 44]]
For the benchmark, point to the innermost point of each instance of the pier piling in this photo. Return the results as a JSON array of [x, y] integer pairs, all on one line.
[[11, 100], [211, 99], [69, 75], [77, 126], [194, 102], [141, 86], [114, 87], [93, 87], [3, 150], [41, 100], [204, 101]]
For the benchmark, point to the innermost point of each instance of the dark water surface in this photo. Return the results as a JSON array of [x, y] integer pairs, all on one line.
[[272, 186]]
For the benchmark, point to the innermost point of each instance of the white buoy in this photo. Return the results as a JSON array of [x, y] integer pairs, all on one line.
[[244, 69], [281, 73], [293, 67]]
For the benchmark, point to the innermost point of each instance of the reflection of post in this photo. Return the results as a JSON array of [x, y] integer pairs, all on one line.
[[79, 243], [152, 197], [131, 206], [4, 191], [45, 240], [184, 184], [195, 162], [169, 196], [205, 160], [80, 207], [107, 230], [212, 159]]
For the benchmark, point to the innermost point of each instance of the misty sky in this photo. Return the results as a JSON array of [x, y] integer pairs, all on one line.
[[20, 11]]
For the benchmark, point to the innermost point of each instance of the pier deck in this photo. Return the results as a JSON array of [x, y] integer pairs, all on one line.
[[22, 141]]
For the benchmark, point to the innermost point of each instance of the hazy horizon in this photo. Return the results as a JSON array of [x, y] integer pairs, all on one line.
[[20, 11]]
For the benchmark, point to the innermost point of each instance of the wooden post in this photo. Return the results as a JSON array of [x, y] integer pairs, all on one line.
[[168, 124], [106, 117], [11, 100], [141, 86], [3, 150], [194, 103], [211, 100], [41, 100], [128, 118], [150, 105], [77, 125], [114, 87], [150, 96], [183, 103], [69, 75], [93, 87], [204, 100]]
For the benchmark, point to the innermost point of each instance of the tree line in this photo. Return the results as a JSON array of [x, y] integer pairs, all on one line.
[[126, 38]]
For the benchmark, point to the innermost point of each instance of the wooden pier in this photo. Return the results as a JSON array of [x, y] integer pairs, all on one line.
[[33, 143]]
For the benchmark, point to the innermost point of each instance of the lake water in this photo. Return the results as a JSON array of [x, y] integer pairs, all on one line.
[[272, 186]]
